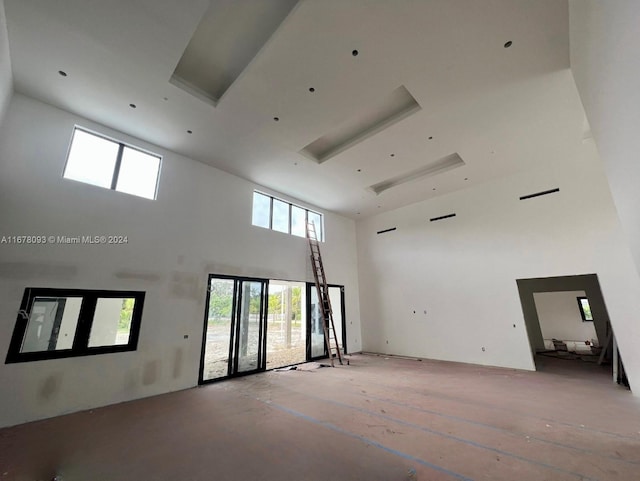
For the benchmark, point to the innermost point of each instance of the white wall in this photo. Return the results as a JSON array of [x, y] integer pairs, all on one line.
[[6, 82], [604, 59], [200, 224], [462, 271], [559, 316]]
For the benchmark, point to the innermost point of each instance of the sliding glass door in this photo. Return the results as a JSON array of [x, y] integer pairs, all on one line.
[[316, 346], [234, 332], [217, 331], [251, 325]]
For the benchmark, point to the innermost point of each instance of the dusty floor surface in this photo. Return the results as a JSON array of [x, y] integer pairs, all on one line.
[[380, 419], [279, 353]]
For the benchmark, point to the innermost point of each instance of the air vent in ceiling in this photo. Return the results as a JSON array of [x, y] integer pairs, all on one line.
[[228, 37], [444, 164], [538, 194], [397, 106], [386, 230], [433, 219]]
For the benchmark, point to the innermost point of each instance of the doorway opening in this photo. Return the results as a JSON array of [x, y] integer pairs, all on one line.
[[568, 327], [286, 324]]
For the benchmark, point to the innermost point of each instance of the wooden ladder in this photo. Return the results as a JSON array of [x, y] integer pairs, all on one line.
[[330, 338]]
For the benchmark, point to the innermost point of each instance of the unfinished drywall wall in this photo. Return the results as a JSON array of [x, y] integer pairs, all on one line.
[[560, 317], [199, 224], [6, 79], [604, 60], [447, 289]]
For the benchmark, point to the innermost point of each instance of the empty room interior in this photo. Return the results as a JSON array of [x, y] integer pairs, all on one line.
[[319, 239]]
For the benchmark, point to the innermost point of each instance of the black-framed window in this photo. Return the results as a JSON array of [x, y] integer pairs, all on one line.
[[282, 216], [57, 323], [98, 160], [585, 309]]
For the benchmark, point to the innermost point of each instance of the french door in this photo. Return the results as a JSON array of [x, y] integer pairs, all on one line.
[[234, 327]]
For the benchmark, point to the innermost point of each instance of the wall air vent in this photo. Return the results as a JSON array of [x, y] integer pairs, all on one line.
[[395, 107], [444, 164], [538, 194], [229, 36], [441, 217], [386, 230]]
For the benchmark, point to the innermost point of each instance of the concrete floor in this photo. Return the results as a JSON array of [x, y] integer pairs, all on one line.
[[378, 419], [278, 354]]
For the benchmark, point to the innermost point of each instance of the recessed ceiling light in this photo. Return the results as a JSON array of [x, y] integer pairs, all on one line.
[[133, 106], [62, 73], [354, 53], [189, 131], [311, 89], [508, 44], [276, 119]]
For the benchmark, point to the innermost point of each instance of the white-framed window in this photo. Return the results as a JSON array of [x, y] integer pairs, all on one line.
[[282, 216], [98, 160]]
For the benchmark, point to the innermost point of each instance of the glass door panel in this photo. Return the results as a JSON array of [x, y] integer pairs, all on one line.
[[250, 326], [335, 295], [219, 321], [316, 344], [317, 348], [286, 324]]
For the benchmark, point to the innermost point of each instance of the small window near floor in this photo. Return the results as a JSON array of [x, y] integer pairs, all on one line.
[[107, 163], [111, 324], [52, 323], [585, 309], [56, 323]]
